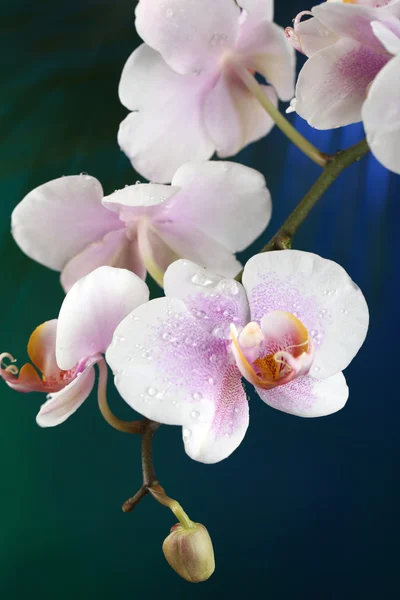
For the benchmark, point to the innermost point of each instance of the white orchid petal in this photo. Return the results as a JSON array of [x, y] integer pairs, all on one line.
[[92, 309], [308, 397]]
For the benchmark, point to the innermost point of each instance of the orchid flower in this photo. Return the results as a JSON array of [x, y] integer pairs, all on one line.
[[211, 211], [381, 110], [344, 58], [66, 350], [294, 325], [186, 99]]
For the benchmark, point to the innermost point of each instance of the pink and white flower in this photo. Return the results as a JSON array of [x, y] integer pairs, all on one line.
[[186, 99], [64, 351], [381, 110], [211, 211], [294, 325], [344, 58]]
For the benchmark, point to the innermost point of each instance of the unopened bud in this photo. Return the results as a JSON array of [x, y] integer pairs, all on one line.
[[190, 552]]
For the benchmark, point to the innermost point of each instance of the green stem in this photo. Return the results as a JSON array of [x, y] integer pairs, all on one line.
[[158, 492], [283, 238], [287, 128]]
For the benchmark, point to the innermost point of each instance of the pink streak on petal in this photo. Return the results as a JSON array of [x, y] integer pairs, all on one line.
[[332, 85], [211, 442]]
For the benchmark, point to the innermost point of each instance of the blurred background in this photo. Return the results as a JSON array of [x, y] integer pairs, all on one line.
[[304, 508]]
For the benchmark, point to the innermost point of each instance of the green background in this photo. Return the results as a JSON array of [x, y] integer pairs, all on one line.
[[304, 508]]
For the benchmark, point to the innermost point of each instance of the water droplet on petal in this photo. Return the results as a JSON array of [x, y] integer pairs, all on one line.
[[211, 380], [186, 433], [229, 287], [222, 332], [151, 391], [197, 396], [201, 279], [195, 414]]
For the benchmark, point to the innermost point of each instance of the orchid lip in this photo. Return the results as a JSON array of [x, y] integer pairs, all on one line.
[[274, 368]]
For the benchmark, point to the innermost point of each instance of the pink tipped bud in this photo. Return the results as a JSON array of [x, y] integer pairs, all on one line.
[[190, 552]]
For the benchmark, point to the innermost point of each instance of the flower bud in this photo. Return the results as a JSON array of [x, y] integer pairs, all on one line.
[[190, 553]]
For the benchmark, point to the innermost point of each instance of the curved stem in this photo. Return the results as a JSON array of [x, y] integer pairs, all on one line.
[[287, 128], [158, 492], [126, 426], [283, 237]]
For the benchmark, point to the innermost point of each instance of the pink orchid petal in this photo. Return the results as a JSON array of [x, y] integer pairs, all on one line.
[[354, 21], [267, 51], [140, 199], [91, 311], [182, 241], [320, 294], [169, 368], [308, 397], [234, 117], [227, 202], [381, 116], [391, 6], [58, 219], [26, 380], [166, 128], [61, 405], [190, 35], [215, 301], [213, 441], [114, 250], [332, 85], [389, 40], [261, 9], [312, 36]]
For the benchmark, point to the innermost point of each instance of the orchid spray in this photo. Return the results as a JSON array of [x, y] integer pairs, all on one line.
[[207, 80]]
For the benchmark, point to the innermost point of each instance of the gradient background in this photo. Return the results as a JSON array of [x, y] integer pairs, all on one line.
[[304, 508]]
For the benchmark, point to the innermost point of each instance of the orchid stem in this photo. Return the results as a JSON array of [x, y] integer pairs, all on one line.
[[283, 238], [150, 483], [158, 492], [287, 128], [125, 426]]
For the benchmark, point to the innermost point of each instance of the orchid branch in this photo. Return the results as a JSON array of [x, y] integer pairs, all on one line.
[[150, 482], [287, 128], [283, 238]]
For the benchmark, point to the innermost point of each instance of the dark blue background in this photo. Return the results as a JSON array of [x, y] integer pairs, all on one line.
[[304, 508]]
